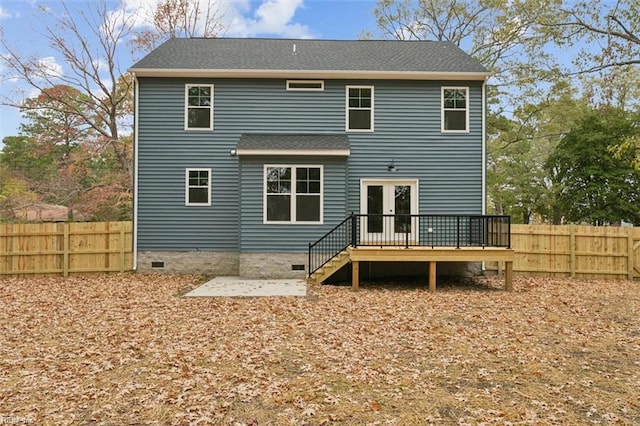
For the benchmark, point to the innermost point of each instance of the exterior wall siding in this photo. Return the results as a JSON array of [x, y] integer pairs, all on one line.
[[407, 131]]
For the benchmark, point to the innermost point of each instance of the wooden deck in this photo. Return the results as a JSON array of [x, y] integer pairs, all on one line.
[[432, 256]]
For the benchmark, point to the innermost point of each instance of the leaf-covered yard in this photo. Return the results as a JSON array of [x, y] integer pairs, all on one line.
[[128, 349]]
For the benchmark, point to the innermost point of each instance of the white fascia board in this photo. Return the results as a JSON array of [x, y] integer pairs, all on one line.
[[317, 74], [307, 152]]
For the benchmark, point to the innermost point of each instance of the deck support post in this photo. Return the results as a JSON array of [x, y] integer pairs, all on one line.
[[355, 275], [508, 276], [432, 277]]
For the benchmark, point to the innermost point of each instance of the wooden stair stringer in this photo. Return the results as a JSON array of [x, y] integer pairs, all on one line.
[[331, 267]]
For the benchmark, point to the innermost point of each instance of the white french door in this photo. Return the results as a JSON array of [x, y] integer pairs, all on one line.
[[388, 204]]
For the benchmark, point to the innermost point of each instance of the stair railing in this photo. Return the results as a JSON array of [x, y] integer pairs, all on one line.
[[332, 243]]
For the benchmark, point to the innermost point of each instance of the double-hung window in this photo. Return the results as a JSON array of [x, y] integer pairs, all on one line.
[[198, 109], [455, 109], [359, 109], [198, 187], [293, 194]]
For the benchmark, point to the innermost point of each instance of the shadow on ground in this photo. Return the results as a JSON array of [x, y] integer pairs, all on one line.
[[444, 283]]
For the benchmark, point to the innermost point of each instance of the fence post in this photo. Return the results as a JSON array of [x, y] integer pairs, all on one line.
[[65, 255], [121, 247], [572, 250], [630, 256]]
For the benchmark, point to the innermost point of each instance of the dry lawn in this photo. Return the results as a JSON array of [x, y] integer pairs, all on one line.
[[128, 349]]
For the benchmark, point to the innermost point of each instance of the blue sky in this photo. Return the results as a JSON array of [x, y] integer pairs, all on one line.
[[325, 19]]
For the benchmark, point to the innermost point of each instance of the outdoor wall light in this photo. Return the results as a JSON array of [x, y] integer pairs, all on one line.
[[392, 167]]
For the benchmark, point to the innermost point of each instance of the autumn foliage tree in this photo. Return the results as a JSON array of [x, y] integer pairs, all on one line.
[[93, 69]]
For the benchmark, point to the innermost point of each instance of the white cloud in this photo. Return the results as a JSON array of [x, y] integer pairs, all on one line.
[[4, 14], [272, 17], [48, 68], [238, 17]]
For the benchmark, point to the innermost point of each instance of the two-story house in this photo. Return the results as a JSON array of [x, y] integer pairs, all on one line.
[[248, 150]]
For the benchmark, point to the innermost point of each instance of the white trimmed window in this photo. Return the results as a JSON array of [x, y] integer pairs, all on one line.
[[305, 85], [455, 109], [293, 194], [198, 107], [198, 187], [359, 114]]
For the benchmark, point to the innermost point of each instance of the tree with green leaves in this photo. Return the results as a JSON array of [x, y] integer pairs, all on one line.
[[593, 183], [518, 149]]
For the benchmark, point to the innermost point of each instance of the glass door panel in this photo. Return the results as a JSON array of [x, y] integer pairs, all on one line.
[[375, 206], [402, 206]]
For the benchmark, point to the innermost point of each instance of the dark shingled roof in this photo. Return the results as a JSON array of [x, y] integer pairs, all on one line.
[[309, 55], [293, 142]]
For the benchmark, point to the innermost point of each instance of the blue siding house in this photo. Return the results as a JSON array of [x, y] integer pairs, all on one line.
[[248, 150]]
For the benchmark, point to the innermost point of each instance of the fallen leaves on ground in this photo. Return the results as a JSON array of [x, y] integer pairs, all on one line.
[[128, 349]]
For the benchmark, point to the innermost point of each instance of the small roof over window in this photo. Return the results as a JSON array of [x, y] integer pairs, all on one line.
[[274, 144]]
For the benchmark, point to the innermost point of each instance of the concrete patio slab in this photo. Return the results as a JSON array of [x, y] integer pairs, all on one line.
[[243, 287]]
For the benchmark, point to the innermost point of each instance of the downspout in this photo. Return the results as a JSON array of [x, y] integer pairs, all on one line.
[[135, 172], [484, 146]]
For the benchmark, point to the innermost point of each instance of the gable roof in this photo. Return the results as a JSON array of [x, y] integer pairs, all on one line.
[[292, 144], [284, 58]]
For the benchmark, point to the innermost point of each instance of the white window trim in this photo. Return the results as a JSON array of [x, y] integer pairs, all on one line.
[[305, 89], [293, 194], [186, 108], [466, 89], [186, 187], [347, 109]]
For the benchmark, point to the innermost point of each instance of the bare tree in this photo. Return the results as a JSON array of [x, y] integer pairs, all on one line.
[[92, 67], [501, 35], [180, 18]]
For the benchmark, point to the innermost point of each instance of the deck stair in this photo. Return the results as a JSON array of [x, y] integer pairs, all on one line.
[[330, 268]]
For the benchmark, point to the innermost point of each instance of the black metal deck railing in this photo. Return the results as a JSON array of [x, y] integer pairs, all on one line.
[[404, 230]]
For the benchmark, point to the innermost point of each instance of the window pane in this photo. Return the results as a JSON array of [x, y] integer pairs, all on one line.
[[316, 85], [199, 118], [455, 120], [198, 195], [360, 119], [302, 173], [308, 208], [302, 187], [314, 187], [278, 180], [199, 96], [314, 173], [279, 208]]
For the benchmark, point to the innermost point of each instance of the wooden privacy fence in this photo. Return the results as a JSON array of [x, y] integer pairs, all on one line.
[[65, 248], [575, 251]]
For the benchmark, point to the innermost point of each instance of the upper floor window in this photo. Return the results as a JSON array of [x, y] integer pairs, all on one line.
[[359, 108], [455, 109], [305, 85], [293, 194], [198, 110], [198, 187]]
